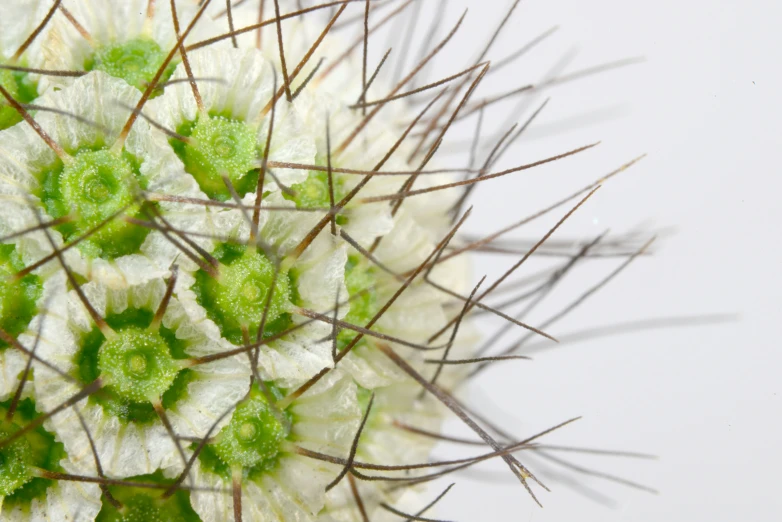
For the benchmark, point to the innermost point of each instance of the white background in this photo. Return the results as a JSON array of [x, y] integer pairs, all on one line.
[[705, 398]]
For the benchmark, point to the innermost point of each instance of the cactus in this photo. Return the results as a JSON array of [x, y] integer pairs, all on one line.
[[234, 281]]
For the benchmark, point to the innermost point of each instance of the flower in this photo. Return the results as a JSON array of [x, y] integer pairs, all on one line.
[[17, 51], [128, 39], [223, 307], [149, 369], [31, 462], [230, 123], [277, 483], [93, 185]]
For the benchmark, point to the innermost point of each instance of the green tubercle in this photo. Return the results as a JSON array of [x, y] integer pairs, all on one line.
[[36, 449], [18, 298], [313, 192], [93, 187], [21, 88], [253, 436], [236, 298], [135, 61], [15, 461], [139, 365], [218, 147], [141, 504], [252, 440], [361, 282]]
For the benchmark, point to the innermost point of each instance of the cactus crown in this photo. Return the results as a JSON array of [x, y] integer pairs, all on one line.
[[232, 271]]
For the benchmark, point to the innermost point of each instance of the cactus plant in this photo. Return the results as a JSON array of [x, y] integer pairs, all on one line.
[[235, 286]]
